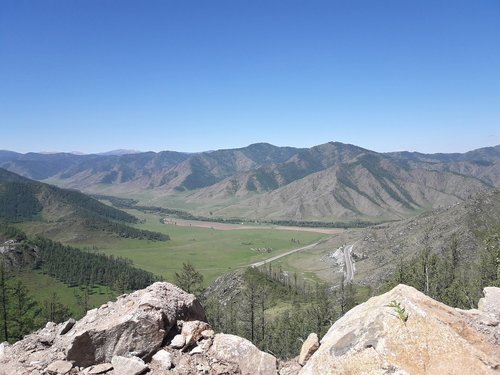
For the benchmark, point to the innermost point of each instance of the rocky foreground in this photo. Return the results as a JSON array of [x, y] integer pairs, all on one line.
[[163, 330]]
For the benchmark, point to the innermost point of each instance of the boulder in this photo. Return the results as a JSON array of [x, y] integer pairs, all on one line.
[[128, 365], [163, 359], [133, 325], [101, 368], [308, 348], [208, 334], [490, 303], [247, 356], [67, 326], [3, 349], [406, 332], [136, 323], [59, 367], [178, 342], [192, 331], [290, 367]]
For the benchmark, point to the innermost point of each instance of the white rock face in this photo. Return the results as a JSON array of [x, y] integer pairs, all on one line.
[[374, 338]]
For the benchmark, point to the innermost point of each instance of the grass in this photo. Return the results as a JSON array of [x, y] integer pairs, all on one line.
[[42, 287], [212, 252], [308, 264]]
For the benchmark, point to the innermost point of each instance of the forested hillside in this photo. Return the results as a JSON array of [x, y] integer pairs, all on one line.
[[20, 313], [22, 199]]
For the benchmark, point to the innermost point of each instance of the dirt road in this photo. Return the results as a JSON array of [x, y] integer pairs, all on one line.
[[224, 226]]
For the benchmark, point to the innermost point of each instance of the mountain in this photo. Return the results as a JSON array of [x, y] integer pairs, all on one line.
[[55, 211], [120, 152], [378, 251], [329, 182]]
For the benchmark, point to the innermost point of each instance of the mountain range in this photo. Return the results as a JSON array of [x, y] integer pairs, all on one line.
[[328, 182]]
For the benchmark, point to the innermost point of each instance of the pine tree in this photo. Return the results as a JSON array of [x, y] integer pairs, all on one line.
[[189, 279]]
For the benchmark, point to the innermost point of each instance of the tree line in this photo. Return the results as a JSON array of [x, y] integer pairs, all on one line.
[[21, 314], [448, 276], [75, 267], [132, 203], [277, 314]]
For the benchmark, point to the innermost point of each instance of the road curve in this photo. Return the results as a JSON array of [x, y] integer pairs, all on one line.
[[349, 268], [262, 262]]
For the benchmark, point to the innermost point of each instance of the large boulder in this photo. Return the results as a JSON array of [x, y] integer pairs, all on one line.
[[406, 332], [136, 323], [250, 360]]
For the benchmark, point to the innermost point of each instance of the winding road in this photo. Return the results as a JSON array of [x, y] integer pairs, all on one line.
[[349, 267], [262, 262]]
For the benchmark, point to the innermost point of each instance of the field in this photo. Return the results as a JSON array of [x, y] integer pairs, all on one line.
[[211, 251], [42, 287]]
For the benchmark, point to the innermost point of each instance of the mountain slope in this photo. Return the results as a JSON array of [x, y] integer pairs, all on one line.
[[333, 181], [55, 210], [357, 184], [380, 249]]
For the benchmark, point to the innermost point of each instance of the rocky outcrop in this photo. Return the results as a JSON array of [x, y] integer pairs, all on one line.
[[158, 330], [250, 360], [162, 330], [405, 332], [308, 348]]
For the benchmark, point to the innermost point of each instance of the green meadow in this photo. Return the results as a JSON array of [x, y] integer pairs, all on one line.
[[212, 252], [42, 287]]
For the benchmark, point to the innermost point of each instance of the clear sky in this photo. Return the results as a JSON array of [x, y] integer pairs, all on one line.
[[387, 75]]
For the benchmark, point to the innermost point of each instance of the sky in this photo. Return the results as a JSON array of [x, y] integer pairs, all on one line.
[[185, 75]]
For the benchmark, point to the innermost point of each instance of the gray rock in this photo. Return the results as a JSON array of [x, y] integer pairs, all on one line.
[[291, 367], [373, 338], [196, 350], [490, 303], [178, 342], [101, 368], [59, 367], [137, 323], [3, 349], [163, 359], [192, 331], [242, 352], [66, 326], [208, 334], [308, 348], [128, 365]]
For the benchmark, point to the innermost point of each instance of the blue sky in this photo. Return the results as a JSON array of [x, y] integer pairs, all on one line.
[[387, 75]]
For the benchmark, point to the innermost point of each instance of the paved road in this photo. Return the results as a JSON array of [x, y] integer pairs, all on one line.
[[262, 262], [348, 263]]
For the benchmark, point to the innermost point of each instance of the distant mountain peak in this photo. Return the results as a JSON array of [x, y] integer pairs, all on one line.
[[120, 152]]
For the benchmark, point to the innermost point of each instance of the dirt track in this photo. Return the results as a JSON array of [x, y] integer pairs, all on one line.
[[224, 226]]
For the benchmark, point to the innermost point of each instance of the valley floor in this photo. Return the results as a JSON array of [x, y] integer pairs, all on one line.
[[224, 226]]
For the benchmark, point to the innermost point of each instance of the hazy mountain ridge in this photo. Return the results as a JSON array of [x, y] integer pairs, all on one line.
[[328, 181]]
